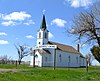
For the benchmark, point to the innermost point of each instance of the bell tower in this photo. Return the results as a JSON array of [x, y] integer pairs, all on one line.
[[42, 34]]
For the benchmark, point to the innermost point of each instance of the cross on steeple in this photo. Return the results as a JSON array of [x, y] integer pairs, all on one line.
[[44, 11]]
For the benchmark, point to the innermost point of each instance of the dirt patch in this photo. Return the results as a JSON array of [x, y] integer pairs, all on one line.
[[6, 70]]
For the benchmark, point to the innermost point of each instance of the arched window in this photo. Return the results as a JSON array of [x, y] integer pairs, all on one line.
[[46, 59], [36, 55], [77, 60], [69, 59], [45, 35], [39, 34], [60, 58], [39, 42], [83, 61]]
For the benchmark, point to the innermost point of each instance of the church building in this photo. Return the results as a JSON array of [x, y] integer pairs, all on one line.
[[50, 54]]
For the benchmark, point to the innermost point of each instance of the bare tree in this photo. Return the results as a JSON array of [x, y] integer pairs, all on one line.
[[86, 26], [90, 58], [4, 59], [22, 51]]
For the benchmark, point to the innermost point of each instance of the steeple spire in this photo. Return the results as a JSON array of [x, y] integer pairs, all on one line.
[[43, 23]]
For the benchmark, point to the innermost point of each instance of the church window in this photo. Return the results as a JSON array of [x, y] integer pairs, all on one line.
[[77, 60], [83, 61], [39, 34], [45, 35], [39, 42], [36, 55], [45, 59], [60, 58], [69, 59]]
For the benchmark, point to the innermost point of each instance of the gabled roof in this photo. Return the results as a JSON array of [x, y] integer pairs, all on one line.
[[65, 48]]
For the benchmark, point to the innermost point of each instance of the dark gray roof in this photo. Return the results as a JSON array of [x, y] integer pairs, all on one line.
[[64, 47]]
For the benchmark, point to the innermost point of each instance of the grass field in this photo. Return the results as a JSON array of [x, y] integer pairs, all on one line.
[[25, 73]]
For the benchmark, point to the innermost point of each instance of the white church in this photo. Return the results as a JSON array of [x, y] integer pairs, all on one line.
[[50, 54]]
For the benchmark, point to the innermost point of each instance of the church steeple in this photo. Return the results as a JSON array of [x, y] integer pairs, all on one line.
[[42, 34], [43, 23]]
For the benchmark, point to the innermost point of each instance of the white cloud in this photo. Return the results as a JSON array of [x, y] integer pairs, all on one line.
[[79, 3], [8, 23], [59, 22], [4, 42], [75, 3], [16, 18], [50, 35], [20, 16], [3, 34], [29, 22], [17, 38], [29, 37]]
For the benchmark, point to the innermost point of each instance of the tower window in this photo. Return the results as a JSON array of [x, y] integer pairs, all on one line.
[[39, 42], [39, 34], [45, 35]]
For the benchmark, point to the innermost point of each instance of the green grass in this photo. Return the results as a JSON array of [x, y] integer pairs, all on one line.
[[11, 66], [48, 74]]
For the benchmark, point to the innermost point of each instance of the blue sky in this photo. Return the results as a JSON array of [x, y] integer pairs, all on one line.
[[20, 20]]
